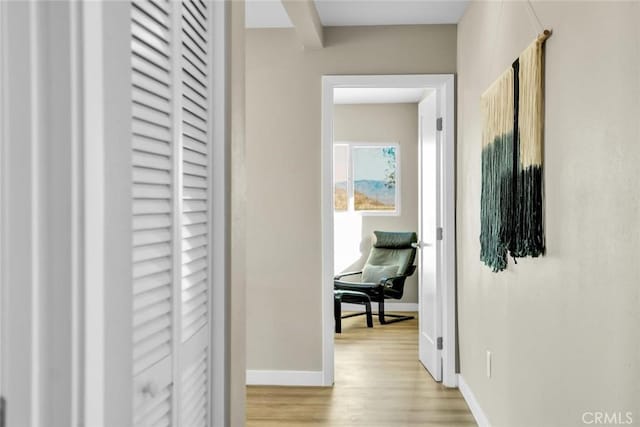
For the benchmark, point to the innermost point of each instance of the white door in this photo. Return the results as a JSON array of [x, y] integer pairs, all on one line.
[[430, 248], [171, 257]]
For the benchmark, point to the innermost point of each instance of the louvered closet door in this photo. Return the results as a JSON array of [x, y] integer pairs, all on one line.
[[153, 200], [195, 216], [170, 123]]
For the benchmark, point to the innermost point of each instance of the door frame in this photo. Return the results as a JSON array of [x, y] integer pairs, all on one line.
[[445, 83]]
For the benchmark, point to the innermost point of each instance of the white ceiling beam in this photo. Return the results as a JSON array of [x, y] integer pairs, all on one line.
[[304, 16]]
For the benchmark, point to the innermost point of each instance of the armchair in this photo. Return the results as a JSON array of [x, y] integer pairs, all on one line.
[[389, 264]]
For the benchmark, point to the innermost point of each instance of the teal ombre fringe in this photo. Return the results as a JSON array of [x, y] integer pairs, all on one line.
[[497, 219]]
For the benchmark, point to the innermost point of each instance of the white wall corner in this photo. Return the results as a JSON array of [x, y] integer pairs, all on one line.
[[285, 378], [474, 406]]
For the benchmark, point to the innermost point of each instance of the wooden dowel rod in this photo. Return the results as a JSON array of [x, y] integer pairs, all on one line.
[[545, 35]]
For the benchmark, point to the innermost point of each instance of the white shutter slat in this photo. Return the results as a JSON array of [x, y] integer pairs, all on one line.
[[192, 54], [191, 37], [194, 254], [194, 321], [194, 23], [195, 63], [194, 218], [150, 328], [145, 97], [151, 115], [194, 120], [156, 25], [153, 341], [149, 54], [152, 251], [194, 242], [195, 171], [149, 130], [152, 281], [151, 145], [162, 5], [197, 12], [193, 101], [152, 10], [190, 66], [152, 191], [145, 82], [193, 86], [152, 37], [195, 181], [197, 230], [145, 72], [151, 160], [151, 313], [191, 292], [195, 133], [151, 176], [195, 193], [150, 244], [193, 145], [147, 268], [151, 206], [195, 157], [151, 297], [194, 267], [194, 206], [151, 222]]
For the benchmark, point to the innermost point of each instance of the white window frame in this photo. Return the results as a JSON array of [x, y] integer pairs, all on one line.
[[350, 178]]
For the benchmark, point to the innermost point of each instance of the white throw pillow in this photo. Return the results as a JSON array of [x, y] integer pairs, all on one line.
[[375, 273]]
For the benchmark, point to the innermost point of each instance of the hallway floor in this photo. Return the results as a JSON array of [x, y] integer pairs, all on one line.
[[378, 383]]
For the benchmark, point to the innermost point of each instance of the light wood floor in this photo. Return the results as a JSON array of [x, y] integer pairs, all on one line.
[[378, 383]]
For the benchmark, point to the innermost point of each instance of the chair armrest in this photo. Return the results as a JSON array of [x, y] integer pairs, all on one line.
[[389, 280], [354, 286], [351, 273]]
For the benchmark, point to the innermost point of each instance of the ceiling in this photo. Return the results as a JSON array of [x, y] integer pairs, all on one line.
[[271, 13], [378, 95]]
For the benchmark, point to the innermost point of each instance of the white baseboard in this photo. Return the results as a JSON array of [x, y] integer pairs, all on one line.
[[285, 378], [388, 306], [474, 406]]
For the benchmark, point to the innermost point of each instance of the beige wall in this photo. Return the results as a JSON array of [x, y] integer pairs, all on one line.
[[284, 330], [563, 329], [395, 123]]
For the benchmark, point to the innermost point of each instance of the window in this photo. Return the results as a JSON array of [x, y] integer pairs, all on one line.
[[366, 178]]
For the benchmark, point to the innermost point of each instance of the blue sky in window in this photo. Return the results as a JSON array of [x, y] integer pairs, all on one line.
[[370, 163]]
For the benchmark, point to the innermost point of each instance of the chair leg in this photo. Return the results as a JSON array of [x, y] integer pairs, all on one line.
[[367, 306], [337, 314], [395, 317]]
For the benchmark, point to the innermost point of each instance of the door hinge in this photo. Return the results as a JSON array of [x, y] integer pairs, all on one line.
[[439, 123], [3, 411], [439, 233], [439, 343]]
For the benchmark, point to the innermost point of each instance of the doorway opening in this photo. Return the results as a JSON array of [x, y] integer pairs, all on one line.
[[353, 204]]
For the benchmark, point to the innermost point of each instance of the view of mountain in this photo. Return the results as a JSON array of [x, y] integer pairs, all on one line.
[[376, 190]]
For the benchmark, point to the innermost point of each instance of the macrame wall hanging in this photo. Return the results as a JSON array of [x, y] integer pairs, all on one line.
[[511, 208]]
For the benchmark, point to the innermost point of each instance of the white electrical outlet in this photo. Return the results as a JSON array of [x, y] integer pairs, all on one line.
[[488, 364]]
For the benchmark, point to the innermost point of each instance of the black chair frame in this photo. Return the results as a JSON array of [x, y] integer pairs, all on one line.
[[387, 288]]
